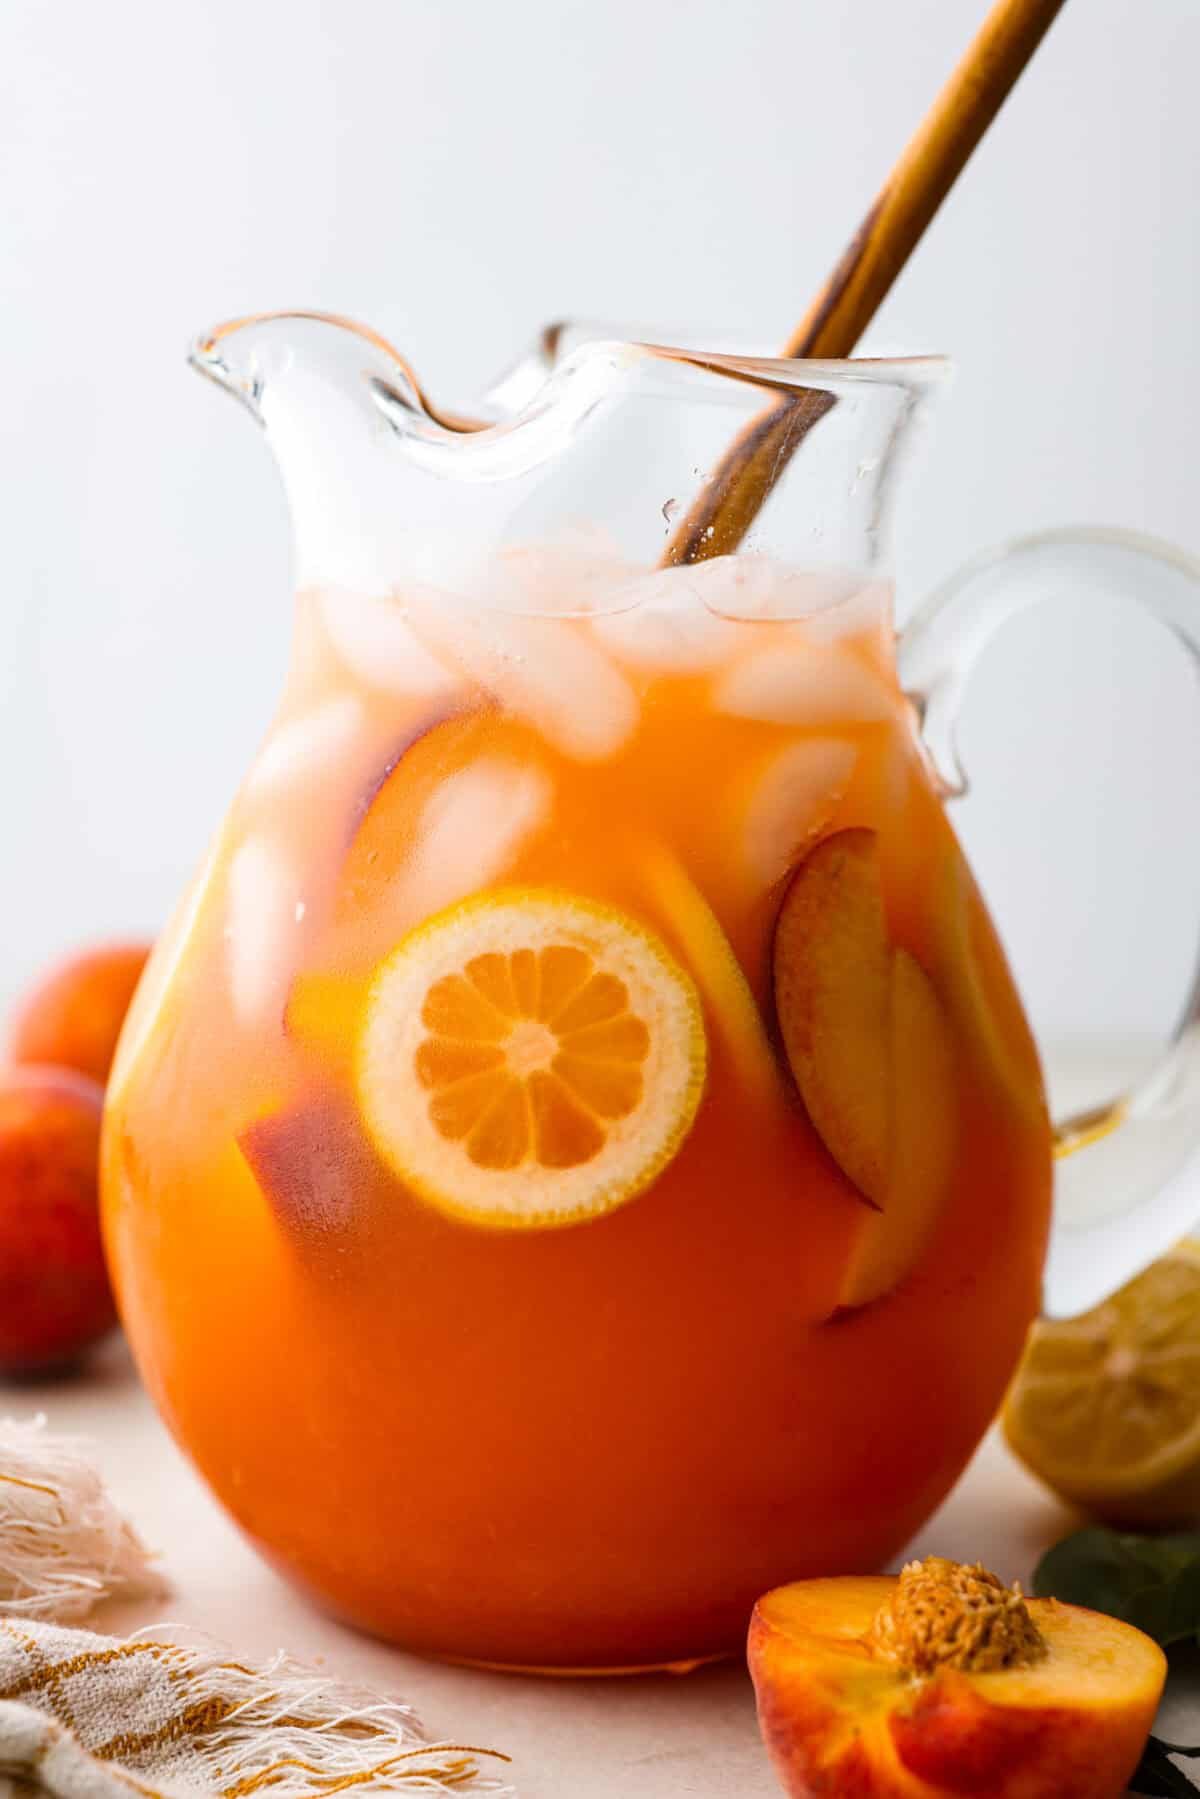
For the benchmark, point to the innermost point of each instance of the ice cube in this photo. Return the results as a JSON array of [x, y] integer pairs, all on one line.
[[792, 802], [755, 587], [469, 833], [545, 670], [666, 628], [865, 613], [577, 574], [804, 683], [375, 641], [307, 745], [261, 931]]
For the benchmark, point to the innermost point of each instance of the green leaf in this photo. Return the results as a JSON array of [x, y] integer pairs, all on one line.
[[1156, 1774], [1151, 1582]]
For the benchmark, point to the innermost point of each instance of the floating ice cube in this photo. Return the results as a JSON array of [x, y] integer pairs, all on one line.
[[804, 683], [374, 640], [308, 744], [579, 574], [793, 802], [756, 587], [261, 931], [545, 670], [666, 629], [864, 613], [470, 832]]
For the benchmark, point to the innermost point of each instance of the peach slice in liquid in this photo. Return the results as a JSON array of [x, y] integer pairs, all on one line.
[[870, 1048]]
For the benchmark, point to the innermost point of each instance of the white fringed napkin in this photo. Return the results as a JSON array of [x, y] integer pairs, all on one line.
[[63, 1545], [90, 1717]]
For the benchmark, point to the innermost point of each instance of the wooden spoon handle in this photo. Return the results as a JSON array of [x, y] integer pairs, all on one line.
[[891, 230]]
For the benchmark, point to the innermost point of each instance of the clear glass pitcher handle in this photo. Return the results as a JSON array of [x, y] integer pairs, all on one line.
[[1127, 1175]]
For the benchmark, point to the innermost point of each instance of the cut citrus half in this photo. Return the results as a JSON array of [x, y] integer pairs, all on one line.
[[1106, 1407], [530, 1058]]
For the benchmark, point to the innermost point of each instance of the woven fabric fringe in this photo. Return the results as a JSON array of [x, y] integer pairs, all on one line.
[[63, 1545], [166, 1715], [175, 1720]]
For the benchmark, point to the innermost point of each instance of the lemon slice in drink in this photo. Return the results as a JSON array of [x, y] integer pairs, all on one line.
[[530, 1058], [1106, 1407]]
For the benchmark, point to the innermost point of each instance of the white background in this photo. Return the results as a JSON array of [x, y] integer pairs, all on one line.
[[455, 171]]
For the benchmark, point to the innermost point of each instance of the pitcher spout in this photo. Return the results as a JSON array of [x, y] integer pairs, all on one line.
[[314, 382], [258, 358], [369, 464], [621, 436]]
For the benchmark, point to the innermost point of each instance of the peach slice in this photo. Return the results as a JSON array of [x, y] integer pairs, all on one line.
[[869, 1045], [311, 1162], [450, 807], [832, 978], [922, 1137], [422, 724], [944, 1683]]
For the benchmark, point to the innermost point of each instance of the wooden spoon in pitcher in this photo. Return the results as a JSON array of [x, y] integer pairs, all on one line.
[[934, 157]]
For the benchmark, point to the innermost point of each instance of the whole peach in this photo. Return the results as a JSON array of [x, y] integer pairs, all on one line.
[[73, 1017], [55, 1297]]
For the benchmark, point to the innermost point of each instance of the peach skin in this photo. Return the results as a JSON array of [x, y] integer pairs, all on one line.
[[945, 1683], [55, 1297], [869, 1047], [73, 1017]]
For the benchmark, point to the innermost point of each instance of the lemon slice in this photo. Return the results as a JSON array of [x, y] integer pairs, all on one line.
[[530, 1058], [1106, 1407], [150, 1006]]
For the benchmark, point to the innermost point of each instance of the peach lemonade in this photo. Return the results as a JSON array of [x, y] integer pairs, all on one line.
[[577, 1158]]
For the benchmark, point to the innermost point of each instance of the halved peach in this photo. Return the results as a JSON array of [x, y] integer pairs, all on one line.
[[870, 1048], [944, 1682]]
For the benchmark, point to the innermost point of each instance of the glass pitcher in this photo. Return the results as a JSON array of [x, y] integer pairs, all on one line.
[[577, 1157]]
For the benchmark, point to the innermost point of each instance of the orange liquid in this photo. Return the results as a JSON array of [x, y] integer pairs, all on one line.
[[593, 1446]]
